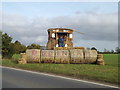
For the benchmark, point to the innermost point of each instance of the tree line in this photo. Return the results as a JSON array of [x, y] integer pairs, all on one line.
[[116, 51], [9, 48]]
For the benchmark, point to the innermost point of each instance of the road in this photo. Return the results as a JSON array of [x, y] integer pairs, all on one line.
[[14, 78]]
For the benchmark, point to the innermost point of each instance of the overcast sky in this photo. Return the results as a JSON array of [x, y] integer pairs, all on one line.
[[28, 22]]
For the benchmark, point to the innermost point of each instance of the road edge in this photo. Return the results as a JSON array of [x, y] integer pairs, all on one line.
[[52, 75]]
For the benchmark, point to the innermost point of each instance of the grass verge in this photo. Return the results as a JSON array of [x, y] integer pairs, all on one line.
[[107, 73]]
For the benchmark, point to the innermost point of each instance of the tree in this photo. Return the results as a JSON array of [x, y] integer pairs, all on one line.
[[12, 49], [34, 46], [117, 50], [93, 48], [9, 48], [105, 50], [6, 46], [112, 51], [0, 42], [17, 46], [23, 48]]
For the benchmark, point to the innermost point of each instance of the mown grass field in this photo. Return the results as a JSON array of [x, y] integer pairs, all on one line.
[[106, 73]]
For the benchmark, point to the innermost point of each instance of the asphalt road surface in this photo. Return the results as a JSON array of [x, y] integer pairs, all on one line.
[[12, 78]]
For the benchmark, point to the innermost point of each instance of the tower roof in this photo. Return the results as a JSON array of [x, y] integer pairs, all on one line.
[[55, 29]]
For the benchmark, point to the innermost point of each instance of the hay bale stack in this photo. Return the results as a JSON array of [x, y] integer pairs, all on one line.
[[22, 61], [90, 56], [22, 55], [76, 56], [33, 55], [47, 56], [62, 56], [100, 60], [100, 56]]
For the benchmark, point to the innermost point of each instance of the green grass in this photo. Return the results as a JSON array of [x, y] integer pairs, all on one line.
[[15, 57], [107, 73], [111, 59]]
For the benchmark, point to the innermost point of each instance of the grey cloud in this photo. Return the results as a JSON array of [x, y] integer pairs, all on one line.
[[95, 26]]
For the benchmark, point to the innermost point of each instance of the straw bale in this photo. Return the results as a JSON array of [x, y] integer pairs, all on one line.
[[100, 56], [47, 56], [22, 61], [23, 55], [58, 48], [100, 62], [90, 56], [33, 55], [62, 48], [76, 56], [67, 48], [79, 48], [62, 56]]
